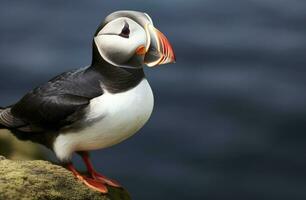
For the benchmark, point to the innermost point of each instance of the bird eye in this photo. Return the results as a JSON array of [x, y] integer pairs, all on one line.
[[125, 31]]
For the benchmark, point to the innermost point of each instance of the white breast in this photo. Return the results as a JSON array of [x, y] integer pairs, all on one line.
[[111, 118]]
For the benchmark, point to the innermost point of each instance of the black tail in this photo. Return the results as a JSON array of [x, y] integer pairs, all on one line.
[[1, 125], [7, 120]]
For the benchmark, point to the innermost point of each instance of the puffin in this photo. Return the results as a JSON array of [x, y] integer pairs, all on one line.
[[97, 106]]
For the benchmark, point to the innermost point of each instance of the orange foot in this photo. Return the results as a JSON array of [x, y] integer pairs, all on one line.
[[95, 175], [105, 180], [92, 183]]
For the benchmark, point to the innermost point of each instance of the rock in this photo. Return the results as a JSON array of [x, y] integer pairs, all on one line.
[[35, 180]]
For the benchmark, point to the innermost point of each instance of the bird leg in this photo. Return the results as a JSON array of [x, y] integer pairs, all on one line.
[[94, 174], [90, 182]]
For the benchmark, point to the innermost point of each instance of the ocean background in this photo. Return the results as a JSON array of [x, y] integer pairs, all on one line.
[[230, 116]]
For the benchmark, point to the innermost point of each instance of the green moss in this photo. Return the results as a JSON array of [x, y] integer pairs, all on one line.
[[31, 180]]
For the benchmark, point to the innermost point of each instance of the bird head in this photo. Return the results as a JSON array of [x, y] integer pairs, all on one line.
[[129, 39]]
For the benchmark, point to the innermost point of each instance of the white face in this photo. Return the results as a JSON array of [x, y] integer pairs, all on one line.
[[119, 40]]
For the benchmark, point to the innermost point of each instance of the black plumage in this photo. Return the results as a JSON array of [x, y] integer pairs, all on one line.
[[63, 100], [80, 110]]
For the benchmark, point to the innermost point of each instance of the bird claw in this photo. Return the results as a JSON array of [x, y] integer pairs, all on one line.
[[94, 184], [106, 180]]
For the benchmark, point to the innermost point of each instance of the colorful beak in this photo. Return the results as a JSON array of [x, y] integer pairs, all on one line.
[[159, 49]]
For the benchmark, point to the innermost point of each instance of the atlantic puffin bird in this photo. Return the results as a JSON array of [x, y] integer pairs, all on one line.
[[97, 106]]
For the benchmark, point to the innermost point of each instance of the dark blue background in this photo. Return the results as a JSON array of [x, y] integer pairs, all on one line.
[[229, 118]]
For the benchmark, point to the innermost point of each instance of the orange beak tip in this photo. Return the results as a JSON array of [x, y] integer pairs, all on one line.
[[141, 50]]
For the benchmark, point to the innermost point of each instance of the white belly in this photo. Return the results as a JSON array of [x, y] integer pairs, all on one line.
[[111, 118]]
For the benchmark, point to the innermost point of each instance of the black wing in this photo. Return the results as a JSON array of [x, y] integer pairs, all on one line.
[[52, 105]]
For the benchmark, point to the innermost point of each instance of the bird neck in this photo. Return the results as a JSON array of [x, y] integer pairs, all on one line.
[[115, 79]]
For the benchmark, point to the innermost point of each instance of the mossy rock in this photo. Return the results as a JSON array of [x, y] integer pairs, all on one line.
[[36, 180]]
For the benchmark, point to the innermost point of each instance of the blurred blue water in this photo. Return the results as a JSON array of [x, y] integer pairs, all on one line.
[[229, 120]]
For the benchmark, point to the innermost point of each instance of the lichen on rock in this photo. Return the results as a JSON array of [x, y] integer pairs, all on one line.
[[36, 180]]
